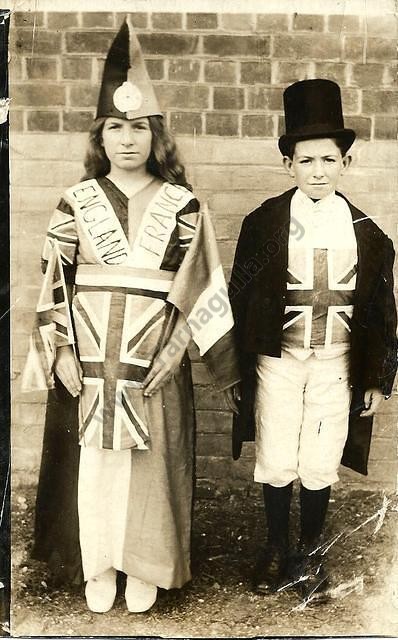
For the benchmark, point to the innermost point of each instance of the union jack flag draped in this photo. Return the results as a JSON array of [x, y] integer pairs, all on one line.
[[52, 325], [321, 274], [125, 290], [119, 326]]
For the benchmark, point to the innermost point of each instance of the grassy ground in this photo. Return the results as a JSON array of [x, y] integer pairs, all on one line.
[[228, 531]]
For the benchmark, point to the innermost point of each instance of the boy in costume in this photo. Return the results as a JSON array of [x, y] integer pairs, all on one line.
[[312, 296]]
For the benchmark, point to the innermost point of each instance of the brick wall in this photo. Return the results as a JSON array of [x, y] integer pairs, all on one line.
[[219, 78]]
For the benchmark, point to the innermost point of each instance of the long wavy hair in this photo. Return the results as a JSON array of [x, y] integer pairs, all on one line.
[[163, 161]]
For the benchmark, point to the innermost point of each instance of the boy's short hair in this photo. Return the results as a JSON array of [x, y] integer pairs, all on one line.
[[341, 143]]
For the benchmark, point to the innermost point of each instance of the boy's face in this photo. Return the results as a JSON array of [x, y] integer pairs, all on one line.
[[317, 166]]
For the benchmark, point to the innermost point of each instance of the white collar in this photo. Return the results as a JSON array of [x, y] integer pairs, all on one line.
[[327, 222], [305, 203]]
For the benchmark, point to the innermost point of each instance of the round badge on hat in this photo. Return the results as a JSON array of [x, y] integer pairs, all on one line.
[[127, 97]]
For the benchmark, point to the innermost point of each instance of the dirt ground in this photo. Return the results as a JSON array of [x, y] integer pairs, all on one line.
[[218, 602]]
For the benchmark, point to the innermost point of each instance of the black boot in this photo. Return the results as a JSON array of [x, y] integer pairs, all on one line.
[[309, 575], [271, 565]]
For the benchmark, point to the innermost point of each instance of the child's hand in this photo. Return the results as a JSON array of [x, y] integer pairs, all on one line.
[[162, 370], [232, 397], [372, 400], [68, 370]]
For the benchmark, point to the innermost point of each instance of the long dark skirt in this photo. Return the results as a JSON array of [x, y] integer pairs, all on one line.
[[56, 535]]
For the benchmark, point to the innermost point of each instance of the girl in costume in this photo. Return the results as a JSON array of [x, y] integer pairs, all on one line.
[[131, 274]]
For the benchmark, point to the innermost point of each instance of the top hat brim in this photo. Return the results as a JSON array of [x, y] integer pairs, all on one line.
[[285, 142]]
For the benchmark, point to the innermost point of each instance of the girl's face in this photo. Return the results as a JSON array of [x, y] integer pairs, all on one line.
[[127, 143]]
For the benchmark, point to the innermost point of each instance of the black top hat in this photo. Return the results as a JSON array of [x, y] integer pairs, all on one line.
[[313, 110]]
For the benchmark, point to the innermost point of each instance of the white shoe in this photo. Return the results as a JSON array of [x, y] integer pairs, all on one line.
[[101, 591], [140, 596]]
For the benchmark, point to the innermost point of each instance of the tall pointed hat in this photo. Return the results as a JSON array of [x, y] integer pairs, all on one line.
[[126, 89]]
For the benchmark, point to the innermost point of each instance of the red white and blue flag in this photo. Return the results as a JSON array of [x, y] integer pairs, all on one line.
[[52, 325], [124, 295], [319, 297]]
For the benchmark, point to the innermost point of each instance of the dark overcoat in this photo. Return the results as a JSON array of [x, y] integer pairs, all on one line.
[[258, 297]]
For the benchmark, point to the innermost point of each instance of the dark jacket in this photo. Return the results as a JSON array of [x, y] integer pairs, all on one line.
[[258, 297]]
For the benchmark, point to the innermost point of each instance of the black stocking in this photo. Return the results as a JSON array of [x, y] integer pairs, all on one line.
[[277, 508], [314, 506]]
